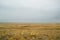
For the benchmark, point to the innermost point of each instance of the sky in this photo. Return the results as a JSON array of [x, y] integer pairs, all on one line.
[[34, 11]]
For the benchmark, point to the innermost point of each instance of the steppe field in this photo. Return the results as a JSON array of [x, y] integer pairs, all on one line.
[[29, 31]]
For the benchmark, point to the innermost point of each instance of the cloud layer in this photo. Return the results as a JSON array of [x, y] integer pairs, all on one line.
[[29, 11]]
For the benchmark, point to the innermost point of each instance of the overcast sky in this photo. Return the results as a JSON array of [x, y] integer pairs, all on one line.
[[39, 11]]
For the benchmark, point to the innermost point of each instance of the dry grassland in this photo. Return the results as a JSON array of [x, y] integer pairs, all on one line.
[[14, 31]]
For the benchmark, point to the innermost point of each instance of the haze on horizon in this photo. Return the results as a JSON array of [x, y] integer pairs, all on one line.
[[39, 11]]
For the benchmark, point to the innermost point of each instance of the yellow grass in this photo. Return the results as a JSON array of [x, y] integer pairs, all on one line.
[[14, 31]]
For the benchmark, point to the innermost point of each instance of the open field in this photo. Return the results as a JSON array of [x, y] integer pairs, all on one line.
[[15, 31]]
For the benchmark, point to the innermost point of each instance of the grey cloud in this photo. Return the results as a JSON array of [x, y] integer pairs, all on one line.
[[29, 11]]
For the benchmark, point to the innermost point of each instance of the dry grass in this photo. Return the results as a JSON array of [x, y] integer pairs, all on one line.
[[29, 31]]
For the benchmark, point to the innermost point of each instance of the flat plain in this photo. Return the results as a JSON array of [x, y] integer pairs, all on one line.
[[29, 31]]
